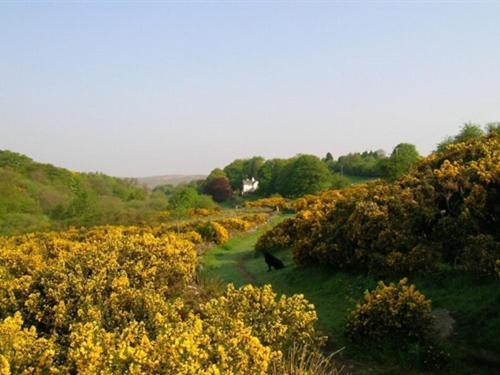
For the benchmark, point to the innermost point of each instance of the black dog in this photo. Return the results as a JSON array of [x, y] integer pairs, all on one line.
[[272, 261]]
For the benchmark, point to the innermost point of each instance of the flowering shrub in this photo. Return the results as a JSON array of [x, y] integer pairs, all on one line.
[[22, 351], [280, 237], [271, 202], [214, 232], [428, 216], [113, 300], [395, 312], [208, 231], [276, 322]]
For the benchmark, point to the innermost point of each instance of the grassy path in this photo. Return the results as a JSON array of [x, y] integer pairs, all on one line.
[[475, 304], [236, 262]]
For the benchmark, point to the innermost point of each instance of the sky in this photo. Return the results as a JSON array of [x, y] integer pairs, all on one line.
[[152, 88]]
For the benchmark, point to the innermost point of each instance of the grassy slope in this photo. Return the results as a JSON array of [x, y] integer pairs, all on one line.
[[473, 304]]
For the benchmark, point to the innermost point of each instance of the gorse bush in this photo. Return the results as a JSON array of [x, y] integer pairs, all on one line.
[[212, 231], [281, 237], [446, 209], [272, 320], [22, 351], [116, 300], [396, 313], [271, 202]]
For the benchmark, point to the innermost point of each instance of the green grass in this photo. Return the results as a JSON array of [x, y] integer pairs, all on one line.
[[474, 304], [359, 179], [224, 261]]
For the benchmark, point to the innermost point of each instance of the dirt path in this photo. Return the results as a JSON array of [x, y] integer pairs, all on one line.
[[245, 275]]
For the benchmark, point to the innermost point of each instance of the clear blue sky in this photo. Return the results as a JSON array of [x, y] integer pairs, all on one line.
[[137, 89]]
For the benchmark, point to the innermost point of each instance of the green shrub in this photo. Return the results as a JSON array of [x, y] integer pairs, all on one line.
[[394, 313]]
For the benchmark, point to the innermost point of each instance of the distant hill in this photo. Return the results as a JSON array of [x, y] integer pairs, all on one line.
[[171, 179], [36, 196]]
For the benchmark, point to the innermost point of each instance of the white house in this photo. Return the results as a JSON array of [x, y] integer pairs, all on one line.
[[250, 185]]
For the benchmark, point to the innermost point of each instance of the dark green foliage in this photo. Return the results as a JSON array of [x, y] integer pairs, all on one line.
[[269, 176], [367, 164], [306, 174], [242, 168]]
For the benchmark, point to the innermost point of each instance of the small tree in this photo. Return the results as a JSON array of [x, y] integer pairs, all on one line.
[[219, 188], [402, 158]]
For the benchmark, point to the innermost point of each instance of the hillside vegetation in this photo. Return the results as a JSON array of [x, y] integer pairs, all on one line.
[[35, 196], [99, 275], [437, 224], [445, 211], [118, 299]]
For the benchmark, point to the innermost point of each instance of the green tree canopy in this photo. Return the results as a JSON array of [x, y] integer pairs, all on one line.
[[306, 174], [402, 158]]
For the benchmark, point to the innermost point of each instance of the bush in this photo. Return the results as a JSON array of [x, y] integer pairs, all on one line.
[[214, 232], [396, 312], [446, 210], [22, 350], [277, 239], [114, 300], [277, 322], [271, 202]]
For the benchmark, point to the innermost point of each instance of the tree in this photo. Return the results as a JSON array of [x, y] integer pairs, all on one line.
[[236, 172], [184, 197], [402, 158], [217, 172], [328, 157], [467, 132], [240, 169], [253, 166], [268, 175], [219, 189], [306, 174]]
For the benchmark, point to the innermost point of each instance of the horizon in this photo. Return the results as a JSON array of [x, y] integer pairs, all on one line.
[[149, 89]]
